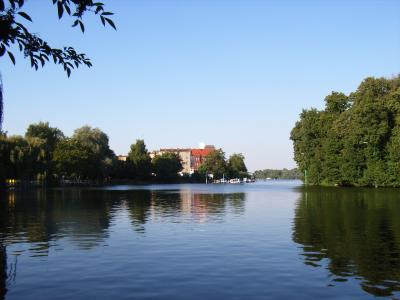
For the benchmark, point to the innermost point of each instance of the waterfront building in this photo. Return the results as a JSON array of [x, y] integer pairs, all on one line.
[[198, 156], [191, 158], [184, 155]]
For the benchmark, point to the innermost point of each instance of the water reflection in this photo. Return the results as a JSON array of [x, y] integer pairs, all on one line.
[[180, 206], [354, 233], [32, 223], [40, 217]]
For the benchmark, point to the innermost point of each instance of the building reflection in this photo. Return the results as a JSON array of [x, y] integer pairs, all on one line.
[[353, 233], [186, 205], [180, 206]]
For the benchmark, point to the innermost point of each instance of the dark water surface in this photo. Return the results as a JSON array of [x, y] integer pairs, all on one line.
[[272, 240]]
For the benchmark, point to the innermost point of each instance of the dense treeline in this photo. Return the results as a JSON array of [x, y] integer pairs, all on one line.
[[355, 140], [47, 155], [277, 174]]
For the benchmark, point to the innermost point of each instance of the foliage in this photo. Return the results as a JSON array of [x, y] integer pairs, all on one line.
[[214, 164], [13, 31], [236, 166], [95, 139], [45, 154], [167, 165], [355, 139], [76, 160], [140, 159], [277, 174], [46, 138]]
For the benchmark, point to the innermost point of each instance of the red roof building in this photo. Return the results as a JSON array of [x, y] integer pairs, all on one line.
[[197, 156]]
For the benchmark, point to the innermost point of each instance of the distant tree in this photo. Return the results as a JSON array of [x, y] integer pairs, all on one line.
[[236, 166], [45, 137], [22, 158], [277, 174], [14, 31], [42, 130], [75, 160], [122, 170], [167, 165], [95, 139], [140, 159], [214, 164]]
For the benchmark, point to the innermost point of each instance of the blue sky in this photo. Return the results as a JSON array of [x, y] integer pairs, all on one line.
[[235, 74]]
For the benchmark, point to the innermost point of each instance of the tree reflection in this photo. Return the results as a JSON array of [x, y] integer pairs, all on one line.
[[356, 230], [41, 216], [138, 203], [180, 206]]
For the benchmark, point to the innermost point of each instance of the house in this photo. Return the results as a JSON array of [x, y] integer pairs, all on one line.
[[197, 156], [191, 158]]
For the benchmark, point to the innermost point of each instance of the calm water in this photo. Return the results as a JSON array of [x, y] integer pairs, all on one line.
[[272, 240]]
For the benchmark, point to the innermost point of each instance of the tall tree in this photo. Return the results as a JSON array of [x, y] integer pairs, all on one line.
[[236, 166], [75, 160], [214, 164], [139, 157], [355, 139], [41, 134], [93, 138], [167, 165]]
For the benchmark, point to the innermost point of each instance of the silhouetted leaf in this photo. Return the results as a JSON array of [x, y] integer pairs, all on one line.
[[1, 5], [109, 21], [60, 9], [82, 26], [25, 15], [67, 9], [11, 57]]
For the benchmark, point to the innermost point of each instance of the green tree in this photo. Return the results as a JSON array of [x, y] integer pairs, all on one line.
[[278, 174], [74, 160], [236, 167], [167, 165], [46, 137], [214, 164], [355, 139], [95, 139], [42, 130], [140, 159]]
